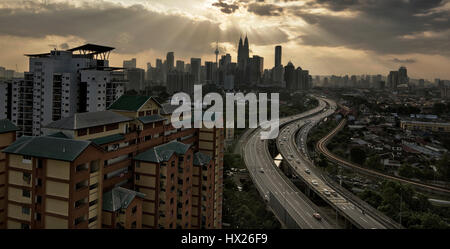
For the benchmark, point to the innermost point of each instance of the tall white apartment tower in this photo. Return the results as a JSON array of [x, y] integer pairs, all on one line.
[[62, 83]]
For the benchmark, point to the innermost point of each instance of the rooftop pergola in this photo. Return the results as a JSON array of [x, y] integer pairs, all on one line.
[[97, 51]]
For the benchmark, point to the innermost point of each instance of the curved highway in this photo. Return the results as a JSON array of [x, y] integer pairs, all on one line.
[[273, 185], [297, 158]]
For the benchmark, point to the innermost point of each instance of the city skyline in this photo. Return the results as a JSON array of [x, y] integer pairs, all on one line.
[[313, 34]]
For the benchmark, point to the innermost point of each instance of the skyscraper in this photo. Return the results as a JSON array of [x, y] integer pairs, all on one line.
[[290, 76], [403, 75], [129, 64], [170, 60], [243, 53], [277, 56], [180, 66], [393, 81], [195, 69]]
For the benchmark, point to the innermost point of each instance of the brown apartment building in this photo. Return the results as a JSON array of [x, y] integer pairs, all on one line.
[[53, 183], [113, 139], [7, 136]]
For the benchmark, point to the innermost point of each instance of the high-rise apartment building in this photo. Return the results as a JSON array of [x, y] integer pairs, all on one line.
[[180, 82], [61, 83], [5, 98], [7, 137]]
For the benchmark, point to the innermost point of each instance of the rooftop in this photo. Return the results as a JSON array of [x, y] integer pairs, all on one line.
[[167, 108], [91, 49], [201, 159], [108, 139], [7, 126], [119, 198], [88, 119], [48, 147], [151, 119], [131, 103], [162, 153]]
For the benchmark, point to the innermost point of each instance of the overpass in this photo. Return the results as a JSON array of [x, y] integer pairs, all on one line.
[[293, 150]]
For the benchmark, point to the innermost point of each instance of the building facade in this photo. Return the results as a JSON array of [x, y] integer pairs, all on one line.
[[57, 84], [132, 145]]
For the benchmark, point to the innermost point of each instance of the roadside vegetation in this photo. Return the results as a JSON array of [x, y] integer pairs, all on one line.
[[245, 208], [401, 203]]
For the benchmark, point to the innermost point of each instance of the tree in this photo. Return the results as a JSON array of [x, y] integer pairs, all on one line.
[[432, 221], [358, 155], [374, 162], [443, 167], [406, 171], [439, 108]]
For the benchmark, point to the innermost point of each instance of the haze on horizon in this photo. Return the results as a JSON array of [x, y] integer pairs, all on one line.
[[324, 36]]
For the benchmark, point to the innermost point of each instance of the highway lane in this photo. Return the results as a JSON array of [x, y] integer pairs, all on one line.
[[271, 182], [304, 168]]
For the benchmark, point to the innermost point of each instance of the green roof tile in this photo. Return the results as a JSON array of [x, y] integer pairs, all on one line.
[[151, 119], [119, 198], [201, 159], [58, 135], [162, 153], [48, 147], [7, 126], [108, 139]]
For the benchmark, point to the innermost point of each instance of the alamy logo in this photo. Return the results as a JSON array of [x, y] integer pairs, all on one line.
[[213, 117]]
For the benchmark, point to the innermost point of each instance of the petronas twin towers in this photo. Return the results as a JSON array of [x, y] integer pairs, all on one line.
[[243, 53]]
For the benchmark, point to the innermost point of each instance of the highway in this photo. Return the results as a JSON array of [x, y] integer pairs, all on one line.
[[272, 183], [322, 148], [296, 156]]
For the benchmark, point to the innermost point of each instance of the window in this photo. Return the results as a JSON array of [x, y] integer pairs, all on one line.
[[82, 132], [94, 186], [27, 177], [112, 127], [25, 210], [92, 219], [26, 159], [138, 177], [26, 193], [92, 203], [134, 210], [24, 226], [97, 129]]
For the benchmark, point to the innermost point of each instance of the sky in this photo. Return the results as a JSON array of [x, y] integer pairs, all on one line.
[[323, 36]]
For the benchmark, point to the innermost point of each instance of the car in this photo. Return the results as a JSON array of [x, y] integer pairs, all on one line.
[[261, 170], [317, 216], [298, 161], [314, 182], [307, 171], [326, 192]]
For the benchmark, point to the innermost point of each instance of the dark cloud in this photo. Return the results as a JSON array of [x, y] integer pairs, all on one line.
[[264, 9], [383, 26], [405, 61], [131, 29], [226, 8], [64, 46]]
